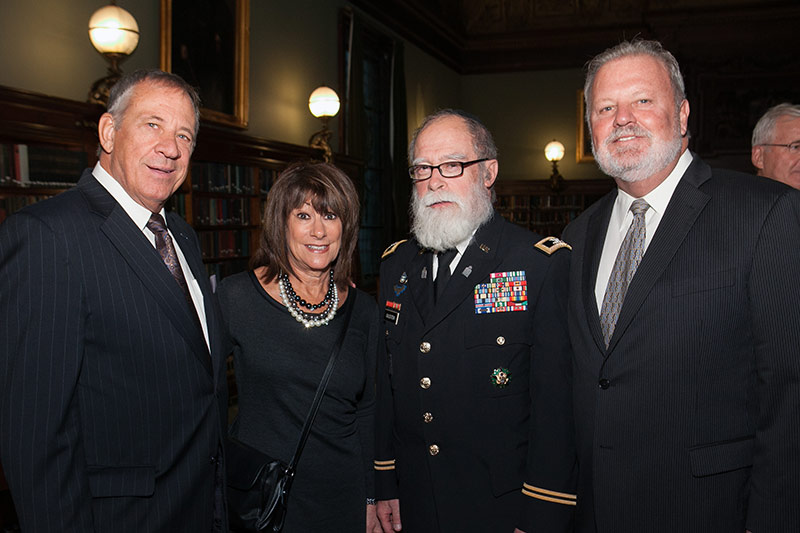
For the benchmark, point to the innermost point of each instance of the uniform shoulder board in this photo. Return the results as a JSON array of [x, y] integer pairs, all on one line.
[[391, 249], [550, 244]]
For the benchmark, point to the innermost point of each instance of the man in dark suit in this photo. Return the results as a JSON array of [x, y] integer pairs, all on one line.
[[112, 390], [473, 426], [683, 318]]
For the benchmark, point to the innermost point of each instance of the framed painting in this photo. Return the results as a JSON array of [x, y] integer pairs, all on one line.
[[207, 43], [584, 140]]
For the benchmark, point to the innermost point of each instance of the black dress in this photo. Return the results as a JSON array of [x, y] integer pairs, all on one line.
[[279, 364]]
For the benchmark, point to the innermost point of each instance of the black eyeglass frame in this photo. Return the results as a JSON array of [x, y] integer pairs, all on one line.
[[464, 164], [792, 146]]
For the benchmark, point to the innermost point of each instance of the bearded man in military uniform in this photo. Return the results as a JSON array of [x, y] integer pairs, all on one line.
[[474, 429]]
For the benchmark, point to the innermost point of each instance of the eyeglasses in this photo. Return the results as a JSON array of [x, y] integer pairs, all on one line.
[[448, 169], [794, 147]]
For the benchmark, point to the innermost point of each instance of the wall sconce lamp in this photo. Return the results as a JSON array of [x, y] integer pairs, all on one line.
[[114, 33], [323, 104], [554, 151]]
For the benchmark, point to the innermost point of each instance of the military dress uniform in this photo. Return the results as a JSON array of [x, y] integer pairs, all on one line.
[[474, 429]]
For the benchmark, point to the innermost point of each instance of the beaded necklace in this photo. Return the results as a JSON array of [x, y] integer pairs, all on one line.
[[293, 303]]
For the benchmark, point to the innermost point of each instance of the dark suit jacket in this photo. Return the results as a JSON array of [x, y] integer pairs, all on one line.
[[111, 408], [690, 420], [491, 438]]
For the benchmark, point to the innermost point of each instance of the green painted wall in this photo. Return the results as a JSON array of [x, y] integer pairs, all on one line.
[[293, 49]]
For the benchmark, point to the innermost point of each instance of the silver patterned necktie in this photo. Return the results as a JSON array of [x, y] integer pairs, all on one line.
[[167, 252], [628, 259]]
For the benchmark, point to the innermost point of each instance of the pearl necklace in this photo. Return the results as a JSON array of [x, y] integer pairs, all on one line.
[[290, 300]]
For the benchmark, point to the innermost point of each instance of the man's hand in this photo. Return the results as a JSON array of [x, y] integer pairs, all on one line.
[[373, 526], [389, 515], [518, 530]]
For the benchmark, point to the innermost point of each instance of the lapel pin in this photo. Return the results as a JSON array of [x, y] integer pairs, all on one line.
[[424, 274], [485, 249], [500, 377], [467, 271], [400, 286]]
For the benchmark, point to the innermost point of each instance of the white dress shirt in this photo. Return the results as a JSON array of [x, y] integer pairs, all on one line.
[[460, 249], [622, 218], [140, 216]]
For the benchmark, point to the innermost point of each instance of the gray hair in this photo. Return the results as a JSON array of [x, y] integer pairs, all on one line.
[[121, 92], [765, 127], [636, 47], [482, 140]]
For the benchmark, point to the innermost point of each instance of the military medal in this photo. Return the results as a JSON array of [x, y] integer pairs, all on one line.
[[506, 291], [500, 377], [392, 312]]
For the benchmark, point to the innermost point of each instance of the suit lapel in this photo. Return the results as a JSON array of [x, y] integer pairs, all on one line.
[[195, 261], [684, 207], [593, 249], [146, 264], [478, 260]]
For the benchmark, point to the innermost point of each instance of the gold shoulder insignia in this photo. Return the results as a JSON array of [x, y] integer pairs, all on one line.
[[550, 244], [391, 249]]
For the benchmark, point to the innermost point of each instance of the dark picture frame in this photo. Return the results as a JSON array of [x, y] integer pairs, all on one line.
[[584, 140], [207, 42]]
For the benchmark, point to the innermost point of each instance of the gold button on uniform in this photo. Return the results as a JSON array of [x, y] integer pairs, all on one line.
[[425, 347], [425, 383], [433, 449], [501, 340], [427, 417]]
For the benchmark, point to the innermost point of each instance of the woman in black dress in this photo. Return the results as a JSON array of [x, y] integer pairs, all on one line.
[[283, 317]]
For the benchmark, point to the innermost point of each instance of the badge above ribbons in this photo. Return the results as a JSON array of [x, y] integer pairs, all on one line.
[[506, 291]]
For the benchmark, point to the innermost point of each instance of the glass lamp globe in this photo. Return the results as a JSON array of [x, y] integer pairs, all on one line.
[[113, 30], [554, 151], [323, 102]]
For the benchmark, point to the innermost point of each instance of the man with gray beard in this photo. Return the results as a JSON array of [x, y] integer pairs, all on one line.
[[473, 425], [683, 320]]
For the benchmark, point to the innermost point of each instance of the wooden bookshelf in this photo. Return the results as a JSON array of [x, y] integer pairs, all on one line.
[[534, 205]]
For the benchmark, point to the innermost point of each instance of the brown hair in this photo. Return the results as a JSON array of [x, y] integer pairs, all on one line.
[[330, 191]]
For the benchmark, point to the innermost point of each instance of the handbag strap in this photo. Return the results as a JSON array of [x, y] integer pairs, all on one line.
[[323, 384]]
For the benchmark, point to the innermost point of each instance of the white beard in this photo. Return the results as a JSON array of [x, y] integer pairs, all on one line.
[[656, 158], [442, 229]]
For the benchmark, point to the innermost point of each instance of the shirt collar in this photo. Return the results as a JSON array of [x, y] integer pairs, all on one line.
[[138, 213], [658, 198]]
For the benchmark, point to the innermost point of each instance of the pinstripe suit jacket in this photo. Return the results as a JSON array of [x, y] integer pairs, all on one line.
[[690, 420], [111, 409]]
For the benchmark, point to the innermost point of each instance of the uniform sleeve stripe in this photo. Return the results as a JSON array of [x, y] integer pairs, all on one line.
[[548, 498], [384, 463], [563, 495], [384, 467]]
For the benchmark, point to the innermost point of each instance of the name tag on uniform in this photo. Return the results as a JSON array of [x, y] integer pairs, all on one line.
[[391, 312], [506, 291]]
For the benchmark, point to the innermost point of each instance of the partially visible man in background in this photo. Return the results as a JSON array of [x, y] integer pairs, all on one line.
[[776, 144]]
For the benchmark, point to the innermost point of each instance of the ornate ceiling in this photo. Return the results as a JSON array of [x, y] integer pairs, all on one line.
[[480, 36]]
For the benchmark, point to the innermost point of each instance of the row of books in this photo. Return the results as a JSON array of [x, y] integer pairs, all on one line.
[[223, 244], [221, 211], [232, 179], [552, 200], [40, 165], [12, 204]]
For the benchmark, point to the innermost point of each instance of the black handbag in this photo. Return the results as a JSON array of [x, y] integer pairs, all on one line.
[[258, 485]]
